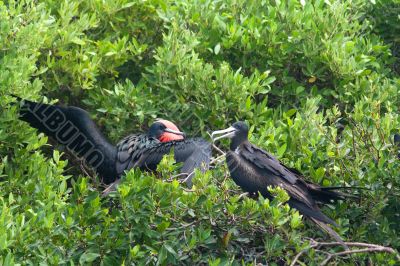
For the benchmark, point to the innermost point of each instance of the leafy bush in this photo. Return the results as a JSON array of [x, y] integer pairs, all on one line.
[[316, 81]]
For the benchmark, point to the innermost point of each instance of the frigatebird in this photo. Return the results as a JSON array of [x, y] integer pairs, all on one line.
[[72, 127], [254, 169]]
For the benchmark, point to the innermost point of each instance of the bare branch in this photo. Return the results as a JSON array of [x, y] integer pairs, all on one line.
[[368, 248], [175, 176], [296, 258], [245, 194], [184, 180], [188, 190], [218, 149], [364, 250], [111, 188], [217, 159]]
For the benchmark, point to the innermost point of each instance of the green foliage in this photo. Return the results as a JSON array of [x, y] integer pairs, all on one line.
[[385, 16], [317, 81], [311, 47]]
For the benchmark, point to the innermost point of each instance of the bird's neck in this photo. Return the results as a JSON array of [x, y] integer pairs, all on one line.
[[235, 143]]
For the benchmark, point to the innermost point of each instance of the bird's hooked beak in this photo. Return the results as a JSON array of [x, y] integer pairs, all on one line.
[[175, 132], [228, 133]]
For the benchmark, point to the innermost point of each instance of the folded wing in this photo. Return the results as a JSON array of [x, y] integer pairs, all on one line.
[[146, 153], [271, 172]]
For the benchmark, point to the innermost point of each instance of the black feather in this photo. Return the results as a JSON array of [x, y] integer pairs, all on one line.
[[254, 169], [72, 127], [193, 153]]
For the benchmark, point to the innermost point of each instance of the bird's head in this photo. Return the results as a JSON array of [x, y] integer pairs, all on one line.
[[165, 131], [238, 133]]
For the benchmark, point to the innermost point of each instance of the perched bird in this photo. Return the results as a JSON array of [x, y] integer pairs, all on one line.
[[145, 151], [397, 142], [72, 127], [254, 169]]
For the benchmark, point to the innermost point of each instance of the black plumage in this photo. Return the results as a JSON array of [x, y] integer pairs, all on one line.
[[73, 127], [397, 142], [254, 169], [146, 152]]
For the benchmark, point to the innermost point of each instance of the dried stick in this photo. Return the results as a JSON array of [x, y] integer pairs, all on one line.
[[296, 258], [111, 188], [368, 248], [364, 250], [187, 178], [245, 194], [172, 178], [218, 149], [216, 159]]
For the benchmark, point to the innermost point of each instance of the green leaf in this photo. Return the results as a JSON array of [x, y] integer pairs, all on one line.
[[78, 41], [110, 53], [269, 80], [291, 112], [299, 89], [88, 257], [163, 226], [248, 103], [217, 48], [282, 150], [171, 250], [320, 172], [296, 221], [162, 256], [3, 241], [134, 251], [127, 5]]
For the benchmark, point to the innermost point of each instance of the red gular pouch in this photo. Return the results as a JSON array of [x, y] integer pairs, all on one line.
[[171, 132]]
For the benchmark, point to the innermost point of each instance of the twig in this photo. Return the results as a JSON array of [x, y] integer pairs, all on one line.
[[365, 250], [175, 176], [219, 150], [112, 187], [181, 227], [244, 195], [365, 136], [214, 146], [368, 249], [188, 190], [352, 244], [217, 159], [186, 178], [354, 142], [92, 175], [83, 169], [296, 258]]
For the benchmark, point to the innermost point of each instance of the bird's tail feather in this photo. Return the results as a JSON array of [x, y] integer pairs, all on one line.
[[330, 231], [328, 194], [343, 187], [314, 212]]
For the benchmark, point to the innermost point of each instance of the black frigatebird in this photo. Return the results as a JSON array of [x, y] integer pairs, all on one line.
[[72, 127], [254, 169]]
